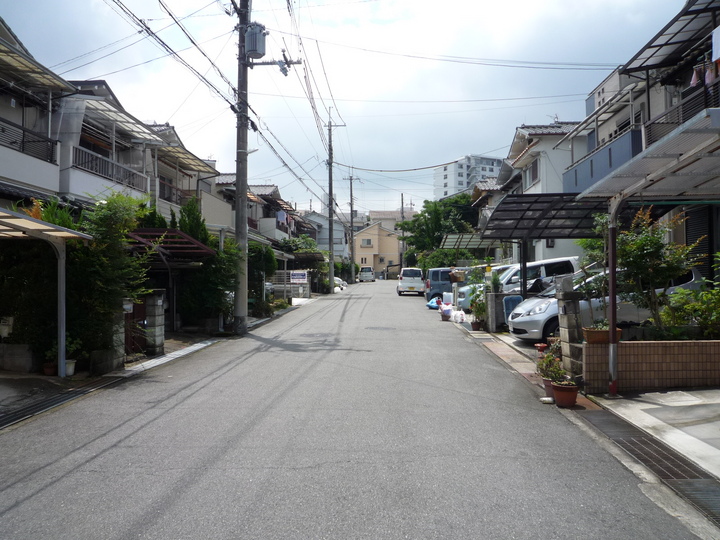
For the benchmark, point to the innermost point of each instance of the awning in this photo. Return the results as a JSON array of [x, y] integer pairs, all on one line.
[[21, 70], [20, 225], [671, 45], [108, 114], [536, 216], [683, 165]]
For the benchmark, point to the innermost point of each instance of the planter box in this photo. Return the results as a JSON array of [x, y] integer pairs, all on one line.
[[592, 335]]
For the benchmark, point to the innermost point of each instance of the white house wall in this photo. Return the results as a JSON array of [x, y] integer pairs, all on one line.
[[30, 171]]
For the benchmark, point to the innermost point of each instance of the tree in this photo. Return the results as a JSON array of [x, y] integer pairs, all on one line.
[[649, 263], [192, 222], [437, 218]]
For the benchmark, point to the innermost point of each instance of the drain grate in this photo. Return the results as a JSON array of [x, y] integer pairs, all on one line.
[[43, 405], [688, 480]]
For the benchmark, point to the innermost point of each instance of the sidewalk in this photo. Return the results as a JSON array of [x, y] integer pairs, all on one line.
[[688, 421], [20, 391]]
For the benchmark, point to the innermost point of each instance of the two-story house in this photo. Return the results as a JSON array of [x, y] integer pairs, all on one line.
[[534, 165], [340, 245], [379, 247]]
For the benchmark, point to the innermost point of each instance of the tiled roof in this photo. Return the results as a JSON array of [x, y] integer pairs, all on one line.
[[557, 128]]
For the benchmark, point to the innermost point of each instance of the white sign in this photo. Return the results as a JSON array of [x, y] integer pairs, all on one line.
[[299, 276]]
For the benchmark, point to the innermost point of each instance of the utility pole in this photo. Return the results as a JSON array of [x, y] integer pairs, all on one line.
[[331, 210], [331, 207], [352, 232], [257, 50], [240, 308], [402, 218]]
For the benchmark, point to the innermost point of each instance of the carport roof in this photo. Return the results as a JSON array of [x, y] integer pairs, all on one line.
[[17, 225], [535, 216]]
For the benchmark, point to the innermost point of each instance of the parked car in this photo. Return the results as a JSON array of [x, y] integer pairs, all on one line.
[[465, 293], [536, 318], [366, 273], [410, 280], [437, 282], [269, 288]]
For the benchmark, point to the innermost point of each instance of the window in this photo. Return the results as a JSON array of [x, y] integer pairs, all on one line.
[[444, 192], [460, 175], [445, 168], [461, 183], [445, 177], [382, 259], [363, 260], [483, 168], [366, 242], [460, 166], [531, 174], [445, 184]]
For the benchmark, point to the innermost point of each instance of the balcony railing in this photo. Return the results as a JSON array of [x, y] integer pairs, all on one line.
[[694, 100], [26, 141], [173, 194], [102, 166]]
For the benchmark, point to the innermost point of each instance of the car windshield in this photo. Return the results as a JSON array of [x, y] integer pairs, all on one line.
[[507, 273]]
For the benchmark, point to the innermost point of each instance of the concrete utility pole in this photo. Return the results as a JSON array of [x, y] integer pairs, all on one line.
[[331, 207], [352, 232], [241, 175], [257, 50]]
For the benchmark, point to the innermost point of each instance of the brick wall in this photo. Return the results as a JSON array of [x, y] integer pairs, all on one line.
[[653, 365]]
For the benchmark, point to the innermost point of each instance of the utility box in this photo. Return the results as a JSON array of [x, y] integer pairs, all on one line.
[[255, 41]]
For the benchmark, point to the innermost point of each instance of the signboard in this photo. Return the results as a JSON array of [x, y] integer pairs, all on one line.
[[298, 276]]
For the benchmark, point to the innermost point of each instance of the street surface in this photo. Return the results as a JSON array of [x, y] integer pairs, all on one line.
[[358, 416]]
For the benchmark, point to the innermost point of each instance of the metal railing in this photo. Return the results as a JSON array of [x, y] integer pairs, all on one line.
[[102, 166], [173, 194], [703, 97], [26, 141]]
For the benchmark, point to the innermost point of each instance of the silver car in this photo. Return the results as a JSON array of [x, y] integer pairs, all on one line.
[[536, 318]]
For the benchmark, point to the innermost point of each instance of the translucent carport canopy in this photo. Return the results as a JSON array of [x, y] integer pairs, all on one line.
[[537, 216], [16, 226]]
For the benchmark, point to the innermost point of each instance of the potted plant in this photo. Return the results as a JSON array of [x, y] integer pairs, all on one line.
[[73, 349], [478, 308], [565, 391], [550, 368], [599, 332]]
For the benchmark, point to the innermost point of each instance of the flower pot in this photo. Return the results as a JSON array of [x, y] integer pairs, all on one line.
[[49, 368], [70, 367], [476, 326], [592, 335], [565, 394], [547, 383]]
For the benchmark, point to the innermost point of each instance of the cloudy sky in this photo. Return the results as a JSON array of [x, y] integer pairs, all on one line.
[[411, 84]]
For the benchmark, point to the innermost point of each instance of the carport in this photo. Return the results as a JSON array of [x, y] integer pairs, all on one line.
[[16, 226]]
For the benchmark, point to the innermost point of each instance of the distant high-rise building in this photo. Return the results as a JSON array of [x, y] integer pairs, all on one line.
[[463, 173]]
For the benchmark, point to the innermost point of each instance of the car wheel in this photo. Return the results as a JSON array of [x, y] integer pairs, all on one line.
[[421, 294], [552, 329]]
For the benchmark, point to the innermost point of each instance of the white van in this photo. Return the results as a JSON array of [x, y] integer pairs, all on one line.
[[540, 274], [410, 280], [366, 274]]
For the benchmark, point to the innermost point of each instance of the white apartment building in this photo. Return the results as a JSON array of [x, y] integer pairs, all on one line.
[[463, 173]]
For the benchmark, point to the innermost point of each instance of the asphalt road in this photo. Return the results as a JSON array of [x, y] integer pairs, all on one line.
[[360, 415]]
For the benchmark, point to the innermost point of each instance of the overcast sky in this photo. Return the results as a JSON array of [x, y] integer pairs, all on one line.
[[413, 83]]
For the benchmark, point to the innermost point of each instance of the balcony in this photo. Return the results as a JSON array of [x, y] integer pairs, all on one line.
[[173, 194], [26, 141], [694, 100], [602, 161], [106, 168]]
